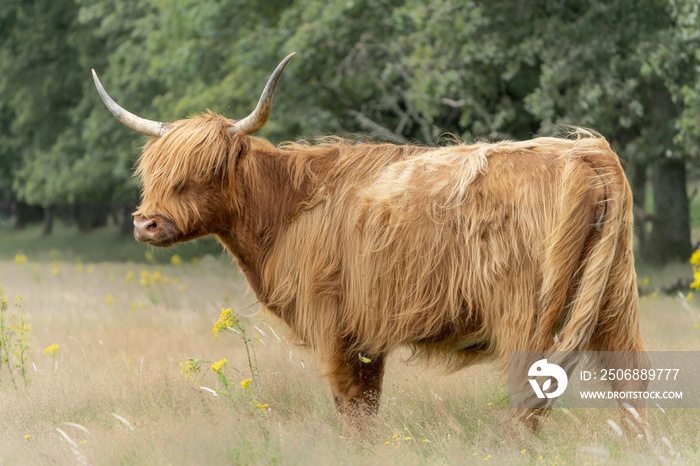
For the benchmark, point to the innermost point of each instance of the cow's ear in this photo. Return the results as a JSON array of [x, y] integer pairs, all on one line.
[[240, 144]]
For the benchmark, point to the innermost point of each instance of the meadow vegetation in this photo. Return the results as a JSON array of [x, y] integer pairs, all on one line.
[[144, 364]]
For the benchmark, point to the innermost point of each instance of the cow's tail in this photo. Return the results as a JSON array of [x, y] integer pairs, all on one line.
[[588, 270]]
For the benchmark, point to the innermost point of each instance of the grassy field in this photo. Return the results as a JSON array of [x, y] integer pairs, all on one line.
[[114, 391]]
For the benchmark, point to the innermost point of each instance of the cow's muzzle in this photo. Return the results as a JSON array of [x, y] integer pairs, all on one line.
[[157, 230]]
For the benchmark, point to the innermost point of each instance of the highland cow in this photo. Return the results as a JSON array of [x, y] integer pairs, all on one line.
[[463, 253]]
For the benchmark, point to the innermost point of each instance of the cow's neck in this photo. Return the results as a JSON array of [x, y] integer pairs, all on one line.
[[268, 198]]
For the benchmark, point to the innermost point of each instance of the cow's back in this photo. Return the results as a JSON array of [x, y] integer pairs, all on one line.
[[444, 247]]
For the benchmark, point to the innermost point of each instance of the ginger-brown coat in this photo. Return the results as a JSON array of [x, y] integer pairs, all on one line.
[[463, 252]]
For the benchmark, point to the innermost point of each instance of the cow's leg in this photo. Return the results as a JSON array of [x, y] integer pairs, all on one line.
[[629, 356], [531, 411], [356, 381]]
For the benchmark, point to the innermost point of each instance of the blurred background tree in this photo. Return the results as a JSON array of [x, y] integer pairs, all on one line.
[[406, 71]]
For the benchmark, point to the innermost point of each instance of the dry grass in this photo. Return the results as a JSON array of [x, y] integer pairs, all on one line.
[[121, 355]]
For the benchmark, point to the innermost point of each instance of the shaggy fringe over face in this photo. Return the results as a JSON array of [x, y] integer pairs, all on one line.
[[461, 252], [194, 152]]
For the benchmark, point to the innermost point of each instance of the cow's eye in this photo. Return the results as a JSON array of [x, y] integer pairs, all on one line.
[[179, 185]]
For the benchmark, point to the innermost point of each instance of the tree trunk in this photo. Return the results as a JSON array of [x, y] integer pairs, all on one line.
[[638, 180], [25, 214], [669, 239], [91, 216], [48, 220], [126, 224]]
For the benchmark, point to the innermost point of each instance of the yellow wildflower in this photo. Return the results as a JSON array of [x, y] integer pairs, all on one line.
[[645, 282], [51, 350], [191, 367], [129, 276], [695, 258], [109, 299], [654, 295], [21, 258], [245, 383], [262, 407], [696, 277], [226, 320], [55, 270], [216, 367], [27, 437], [176, 260], [387, 442], [148, 255]]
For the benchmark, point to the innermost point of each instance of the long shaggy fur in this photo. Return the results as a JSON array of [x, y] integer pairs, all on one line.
[[165, 170], [485, 246], [462, 252]]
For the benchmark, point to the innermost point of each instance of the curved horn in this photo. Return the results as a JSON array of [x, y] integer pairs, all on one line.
[[258, 118], [128, 119]]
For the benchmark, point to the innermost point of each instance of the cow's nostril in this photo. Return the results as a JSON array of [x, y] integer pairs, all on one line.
[[152, 227]]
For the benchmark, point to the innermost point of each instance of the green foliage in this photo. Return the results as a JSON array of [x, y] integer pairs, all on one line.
[[35, 108], [401, 70], [676, 56], [406, 70], [13, 340], [228, 322], [597, 72]]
